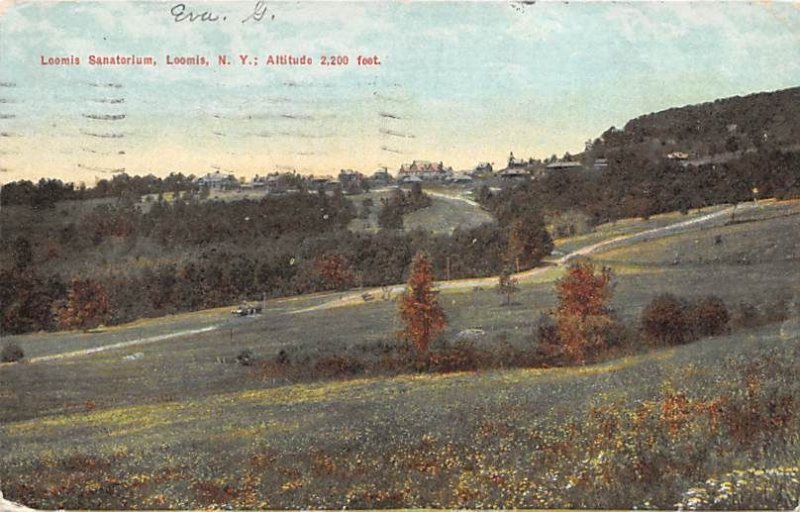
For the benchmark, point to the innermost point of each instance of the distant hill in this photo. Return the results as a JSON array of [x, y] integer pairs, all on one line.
[[767, 120]]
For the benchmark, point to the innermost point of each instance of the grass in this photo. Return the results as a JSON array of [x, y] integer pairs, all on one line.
[[441, 217], [323, 444], [444, 215], [184, 426], [629, 227]]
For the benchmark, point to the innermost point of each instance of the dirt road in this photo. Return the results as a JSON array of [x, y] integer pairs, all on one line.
[[122, 344], [353, 298]]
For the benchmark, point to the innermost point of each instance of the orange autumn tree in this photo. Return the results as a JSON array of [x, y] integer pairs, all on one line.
[[583, 315], [335, 271], [419, 307], [87, 306]]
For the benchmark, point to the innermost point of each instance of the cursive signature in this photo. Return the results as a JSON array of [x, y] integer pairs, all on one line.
[[181, 13], [259, 13]]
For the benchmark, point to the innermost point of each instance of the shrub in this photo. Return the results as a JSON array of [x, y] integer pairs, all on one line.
[[507, 286], [338, 366], [282, 358], [709, 316], [12, 353], [87, 306], [664, 321], [454, 359], [546, 330], [245, 357]]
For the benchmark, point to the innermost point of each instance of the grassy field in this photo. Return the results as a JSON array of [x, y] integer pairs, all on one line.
[[628, 227], [441, 217], [177, 423]]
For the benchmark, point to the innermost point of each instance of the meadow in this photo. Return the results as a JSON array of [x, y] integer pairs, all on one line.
[[441, 217], [180, 424]]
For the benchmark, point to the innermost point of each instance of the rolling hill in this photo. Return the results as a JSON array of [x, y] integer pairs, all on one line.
[[176, 422], [729, 125]]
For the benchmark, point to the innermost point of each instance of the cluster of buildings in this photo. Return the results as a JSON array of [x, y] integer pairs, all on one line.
[[418, 171]]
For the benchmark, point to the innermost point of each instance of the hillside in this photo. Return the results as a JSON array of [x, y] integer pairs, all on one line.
[[443, 216], [766, 120], [175, 422]]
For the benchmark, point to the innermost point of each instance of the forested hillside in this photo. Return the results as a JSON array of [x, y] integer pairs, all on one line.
[[767, 120], [152, 259]]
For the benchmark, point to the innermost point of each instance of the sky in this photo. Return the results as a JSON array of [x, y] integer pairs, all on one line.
[[459, 82]]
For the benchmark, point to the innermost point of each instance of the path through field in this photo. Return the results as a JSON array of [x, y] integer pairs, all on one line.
[[360, 297], [449, 197], [122, 344]]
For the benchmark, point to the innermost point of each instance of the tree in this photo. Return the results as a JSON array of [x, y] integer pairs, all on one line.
[[665, 322], [528, 240], [419, 307], [583, 317], [507, 285], [709, 316], [87, 305], [335, 271]]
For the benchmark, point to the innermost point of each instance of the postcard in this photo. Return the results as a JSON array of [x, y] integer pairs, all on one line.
[[266, 254]]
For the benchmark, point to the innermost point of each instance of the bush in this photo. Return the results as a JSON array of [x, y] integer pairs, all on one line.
[[548, 348], [709, 316], [338, 366], [282, 358], [245, 357], [454, 359], [12, 353], [664, 321]]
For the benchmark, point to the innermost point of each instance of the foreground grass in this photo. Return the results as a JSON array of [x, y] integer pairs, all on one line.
[[521, 438]]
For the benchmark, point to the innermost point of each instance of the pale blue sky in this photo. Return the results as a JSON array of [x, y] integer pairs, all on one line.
[[469, 81]]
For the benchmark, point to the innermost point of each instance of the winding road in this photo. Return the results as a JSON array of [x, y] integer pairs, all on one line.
[[360, 297], [352, 298]]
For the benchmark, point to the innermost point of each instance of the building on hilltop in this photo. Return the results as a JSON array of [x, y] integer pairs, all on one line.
[[381, 177], [425, 170], [217, 180], [517, 163], [460, 178], [563, 166], [518, 168], [600, 164], [482, 170]]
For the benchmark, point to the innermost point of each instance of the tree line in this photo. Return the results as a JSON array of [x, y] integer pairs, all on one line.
[[46, 193], [148, 260], [634, 185]]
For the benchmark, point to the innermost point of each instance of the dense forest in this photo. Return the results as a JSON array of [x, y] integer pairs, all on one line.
[[187, 254], [762, 121], [635, 186]]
